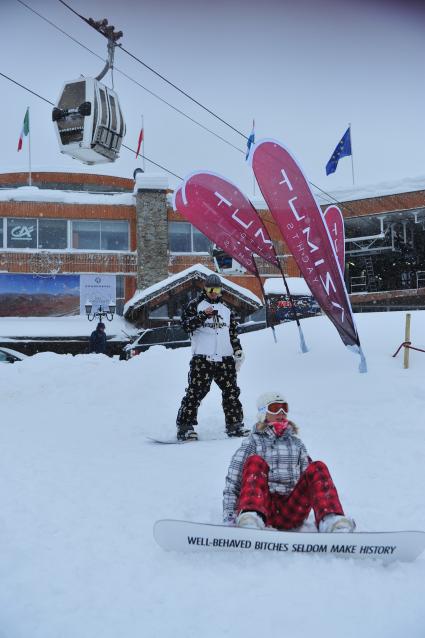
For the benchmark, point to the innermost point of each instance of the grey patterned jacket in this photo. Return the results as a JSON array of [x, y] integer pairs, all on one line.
[[286, 457]]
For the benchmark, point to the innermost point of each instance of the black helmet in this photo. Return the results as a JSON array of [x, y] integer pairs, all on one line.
[[212, 281]]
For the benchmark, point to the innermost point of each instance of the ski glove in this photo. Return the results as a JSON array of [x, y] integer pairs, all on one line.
[[239, 359]]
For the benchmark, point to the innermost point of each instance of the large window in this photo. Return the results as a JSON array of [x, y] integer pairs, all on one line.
[[184, 238], [114, 235], [88, 235], [52, 234]]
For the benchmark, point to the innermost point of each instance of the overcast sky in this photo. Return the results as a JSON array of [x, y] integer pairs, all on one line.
[[303, 69]]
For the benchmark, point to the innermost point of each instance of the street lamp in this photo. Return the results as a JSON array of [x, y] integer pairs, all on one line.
[[100, 312]]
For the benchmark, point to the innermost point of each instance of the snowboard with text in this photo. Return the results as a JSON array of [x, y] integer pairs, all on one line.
[[187, 536]]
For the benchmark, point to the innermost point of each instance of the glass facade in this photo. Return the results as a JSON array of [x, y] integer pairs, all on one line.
[[21, 232], [52, 234]]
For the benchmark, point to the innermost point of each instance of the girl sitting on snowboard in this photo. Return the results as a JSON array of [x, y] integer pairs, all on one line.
[[272, 482]]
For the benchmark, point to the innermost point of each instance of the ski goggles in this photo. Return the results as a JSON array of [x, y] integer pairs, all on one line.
[[216, 290], [275, 408]]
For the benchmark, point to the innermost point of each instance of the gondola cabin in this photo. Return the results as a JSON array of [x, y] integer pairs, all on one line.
[[88, 121]]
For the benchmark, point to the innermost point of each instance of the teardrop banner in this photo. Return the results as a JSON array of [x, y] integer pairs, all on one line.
[[300, 220], [335, 223], [201, 212], [214, 196]]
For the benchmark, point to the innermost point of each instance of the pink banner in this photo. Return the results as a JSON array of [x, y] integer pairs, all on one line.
[[303, 228], [222, 212], [335, 223]]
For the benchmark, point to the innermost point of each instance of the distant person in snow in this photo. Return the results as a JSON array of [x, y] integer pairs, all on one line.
[[272, 481], [217, 355], [98, 339]]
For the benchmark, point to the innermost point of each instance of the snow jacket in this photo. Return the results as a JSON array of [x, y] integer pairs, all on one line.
[[286, 457], [97, 342], [214, 336]]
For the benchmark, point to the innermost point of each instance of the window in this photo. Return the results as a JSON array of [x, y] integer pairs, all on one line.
[[52, 233], [1, 232], [114, 235], [120, 294], [21, 232], [86, 235], [184, 238]]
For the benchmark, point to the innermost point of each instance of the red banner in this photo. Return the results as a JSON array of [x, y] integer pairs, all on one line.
[[303, 228], [222, 212], [335, 223]]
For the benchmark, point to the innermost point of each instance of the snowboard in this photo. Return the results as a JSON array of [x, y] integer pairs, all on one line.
[[184, 536], [175, 441]]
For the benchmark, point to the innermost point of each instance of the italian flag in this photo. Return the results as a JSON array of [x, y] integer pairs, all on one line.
[[25, 129]]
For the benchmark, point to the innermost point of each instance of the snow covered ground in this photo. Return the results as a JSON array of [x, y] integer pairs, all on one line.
[[80, 488]]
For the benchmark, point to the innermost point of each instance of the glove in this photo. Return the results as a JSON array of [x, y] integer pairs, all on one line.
[[239, 358]]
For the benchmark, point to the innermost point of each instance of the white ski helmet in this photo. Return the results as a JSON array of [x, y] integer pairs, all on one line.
[[264, 400]]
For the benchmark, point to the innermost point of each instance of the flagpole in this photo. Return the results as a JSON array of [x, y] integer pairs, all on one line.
[[29, 150], [352, 159], [143, 143]]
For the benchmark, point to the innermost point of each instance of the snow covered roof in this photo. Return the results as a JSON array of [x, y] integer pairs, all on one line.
[[150, 181], [141, 297], [407, 185], [35, 194], [296, 285]]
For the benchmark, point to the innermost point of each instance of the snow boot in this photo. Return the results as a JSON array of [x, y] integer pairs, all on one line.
[[237, 430], [336, 523], [250, 519], [187, 434]]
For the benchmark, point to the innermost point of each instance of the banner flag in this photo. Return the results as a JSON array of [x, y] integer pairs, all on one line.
[[251, 140], [222, 199], [200, 209], [335, 223], [25, 129], [139, 143], [304, 230], [343, 149]]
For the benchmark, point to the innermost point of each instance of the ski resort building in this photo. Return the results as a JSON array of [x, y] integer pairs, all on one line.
[[70, 238]]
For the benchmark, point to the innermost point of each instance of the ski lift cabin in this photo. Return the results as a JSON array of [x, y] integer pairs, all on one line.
[[88, 121]]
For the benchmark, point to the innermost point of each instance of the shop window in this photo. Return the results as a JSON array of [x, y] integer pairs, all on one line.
[[86, 235], [114, 235], [21, 232], [52, 233], [184, 238]]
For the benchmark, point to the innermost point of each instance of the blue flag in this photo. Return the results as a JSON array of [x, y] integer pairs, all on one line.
[[251, 140], [343, 149]]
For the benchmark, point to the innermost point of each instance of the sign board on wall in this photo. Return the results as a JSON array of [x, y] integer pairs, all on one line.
[[98, 289]]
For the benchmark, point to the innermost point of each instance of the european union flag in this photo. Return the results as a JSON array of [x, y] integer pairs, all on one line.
[[343, 149]]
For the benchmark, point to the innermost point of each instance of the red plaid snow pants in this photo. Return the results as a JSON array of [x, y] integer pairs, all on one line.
[[315, 489]]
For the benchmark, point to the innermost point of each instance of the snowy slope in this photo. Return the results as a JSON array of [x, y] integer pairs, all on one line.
[[80, 488]]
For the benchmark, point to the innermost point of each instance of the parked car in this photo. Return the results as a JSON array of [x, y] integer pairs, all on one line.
[[169, 336], [7, 355]]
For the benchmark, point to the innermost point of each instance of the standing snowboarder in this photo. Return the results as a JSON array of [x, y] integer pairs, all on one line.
[[217, 355], [272, 482]]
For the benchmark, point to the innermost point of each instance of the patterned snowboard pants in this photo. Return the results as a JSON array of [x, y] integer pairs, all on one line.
[[315, 489], [201, 374]]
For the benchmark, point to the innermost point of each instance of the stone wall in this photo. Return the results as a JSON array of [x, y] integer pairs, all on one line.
[[151, 230]]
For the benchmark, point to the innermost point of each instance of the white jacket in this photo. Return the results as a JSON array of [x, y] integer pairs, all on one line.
[[213, 337]]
